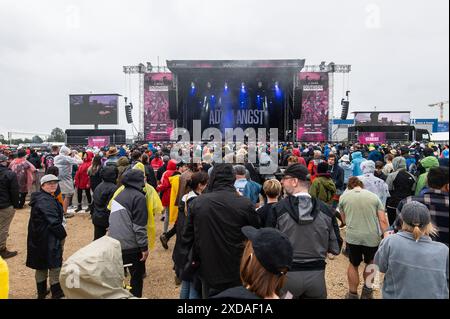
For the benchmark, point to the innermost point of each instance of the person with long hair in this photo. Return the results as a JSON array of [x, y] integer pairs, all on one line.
[[415, 266], [265, 262], [94, 172]]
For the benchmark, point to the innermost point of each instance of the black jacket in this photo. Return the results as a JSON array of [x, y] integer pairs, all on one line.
[[236, 293], [45, 232], [337, 175], [102, 195], [150, 175], [215, 229], [9, 188], [35, 159], [312, 230], [96, 178]]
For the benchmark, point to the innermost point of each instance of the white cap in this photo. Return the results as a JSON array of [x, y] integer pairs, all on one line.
[[48, 178]]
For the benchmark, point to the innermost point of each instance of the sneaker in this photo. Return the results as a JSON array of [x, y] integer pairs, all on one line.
[[69, 215], [79, 209], [350, 295], [164, 241], [367, 293], [5, 254]]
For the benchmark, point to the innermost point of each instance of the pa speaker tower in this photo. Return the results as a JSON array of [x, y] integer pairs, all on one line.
[[297, 103], [173, 107], [128, 109]]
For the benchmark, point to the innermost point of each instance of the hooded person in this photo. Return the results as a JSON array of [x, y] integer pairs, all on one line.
[[313, 163], [344, 163], [214, 230], [401, 184], [373, 184], [312, 230], [301, 160], [102, 196], [128, 224], [83, 182], [153, 202], [323, 187], [374, 154], [426, 163], [165, 189], [24, 171], [357, 159]]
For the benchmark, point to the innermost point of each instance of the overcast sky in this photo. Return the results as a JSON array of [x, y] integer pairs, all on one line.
[[398, 49]]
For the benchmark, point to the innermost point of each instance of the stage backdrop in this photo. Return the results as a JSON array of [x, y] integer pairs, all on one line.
[[157, 124], [313, 124], [372, 137]]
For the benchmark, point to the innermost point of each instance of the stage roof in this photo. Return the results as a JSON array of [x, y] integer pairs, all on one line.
[[181, 65]]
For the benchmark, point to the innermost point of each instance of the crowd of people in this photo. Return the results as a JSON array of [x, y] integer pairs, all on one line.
[[239, 233]]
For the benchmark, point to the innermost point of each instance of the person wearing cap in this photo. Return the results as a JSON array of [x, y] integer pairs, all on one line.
[[46, 234], [214, 230], [9, 201], [312, 229], [436, 198], [65, 162], [265, 263], [364, 214], [415, 267]]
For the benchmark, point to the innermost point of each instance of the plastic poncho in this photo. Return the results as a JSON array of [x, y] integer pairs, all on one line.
[[173, 207], [427, 163]]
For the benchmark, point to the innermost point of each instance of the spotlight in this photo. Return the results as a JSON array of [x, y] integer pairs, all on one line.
[[226, 86], [208, 85], [276, 85], [260, 84], [193, 85]]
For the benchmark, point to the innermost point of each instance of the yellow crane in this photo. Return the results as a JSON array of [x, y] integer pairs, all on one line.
[[441, 109]]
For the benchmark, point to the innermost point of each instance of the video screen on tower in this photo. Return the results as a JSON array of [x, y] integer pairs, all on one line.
[[93, 109]]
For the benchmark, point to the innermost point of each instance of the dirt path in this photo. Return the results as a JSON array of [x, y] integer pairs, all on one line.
[[160, 281]]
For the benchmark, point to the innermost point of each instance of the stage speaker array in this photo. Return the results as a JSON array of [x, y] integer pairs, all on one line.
[[345, 107], [297, 103], [173, 107], [128, 109]]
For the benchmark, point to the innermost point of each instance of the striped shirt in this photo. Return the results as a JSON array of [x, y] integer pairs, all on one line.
[[437, 202]]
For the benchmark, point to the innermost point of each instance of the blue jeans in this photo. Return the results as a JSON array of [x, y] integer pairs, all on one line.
[[188, 291]]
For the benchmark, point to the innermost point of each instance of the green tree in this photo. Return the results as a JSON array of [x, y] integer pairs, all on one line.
[[36, 139], [57, 135]]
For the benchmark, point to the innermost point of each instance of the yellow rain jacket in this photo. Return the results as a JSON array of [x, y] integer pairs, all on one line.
[[173, 208]]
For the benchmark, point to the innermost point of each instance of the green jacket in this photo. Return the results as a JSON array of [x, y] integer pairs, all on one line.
[[323, 188], [427, 163]]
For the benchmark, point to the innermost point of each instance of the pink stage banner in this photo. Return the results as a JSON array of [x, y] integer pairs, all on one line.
[[157, 124], [98, 141], [372, 137], [313, 124]]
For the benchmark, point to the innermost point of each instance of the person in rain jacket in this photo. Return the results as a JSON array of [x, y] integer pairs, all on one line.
[[83, 182], [154, 206], [427, 163], [357, 159], [24, 171], [374, 184], [323, 187], [344, 163], [165, 189], [102, 196]]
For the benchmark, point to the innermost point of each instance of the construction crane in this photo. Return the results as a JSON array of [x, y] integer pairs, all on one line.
[[441, 109]]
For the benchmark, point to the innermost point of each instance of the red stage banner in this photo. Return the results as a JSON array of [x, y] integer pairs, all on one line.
[[157, 124], [313, 124]]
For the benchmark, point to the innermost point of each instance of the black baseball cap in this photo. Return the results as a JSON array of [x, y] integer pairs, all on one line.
[[272, 248], [298, 171]]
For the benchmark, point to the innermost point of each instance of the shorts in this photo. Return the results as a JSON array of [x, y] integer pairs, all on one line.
[[358, 253]]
